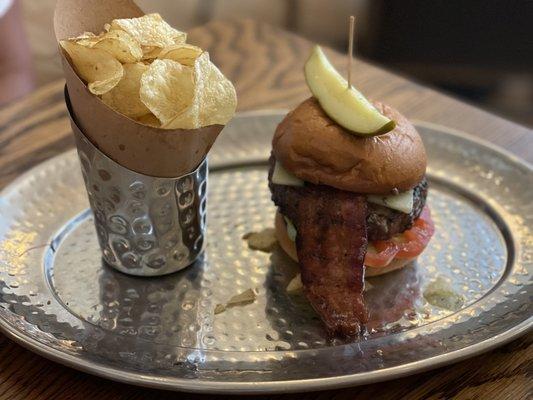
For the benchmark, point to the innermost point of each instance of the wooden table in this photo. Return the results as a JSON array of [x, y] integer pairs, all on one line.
[[266, 65]]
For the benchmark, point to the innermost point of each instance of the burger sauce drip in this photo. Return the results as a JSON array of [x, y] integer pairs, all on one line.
[[331, 245]]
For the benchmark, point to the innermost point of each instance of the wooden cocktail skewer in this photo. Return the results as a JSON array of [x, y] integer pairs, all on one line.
[[350, 50]]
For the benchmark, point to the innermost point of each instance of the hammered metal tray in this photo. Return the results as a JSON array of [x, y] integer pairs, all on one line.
[[59, 300]]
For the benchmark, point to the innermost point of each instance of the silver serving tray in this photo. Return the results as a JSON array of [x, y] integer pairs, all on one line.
[[58, 300]]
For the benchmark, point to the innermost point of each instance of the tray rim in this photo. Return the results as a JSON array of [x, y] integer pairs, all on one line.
[[274, 387], [298, 385]]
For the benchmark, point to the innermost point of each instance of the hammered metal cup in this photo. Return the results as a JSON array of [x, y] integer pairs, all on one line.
[[146, 226]]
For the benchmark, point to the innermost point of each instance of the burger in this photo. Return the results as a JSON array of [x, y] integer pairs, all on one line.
[[388, 169], [349, 203]]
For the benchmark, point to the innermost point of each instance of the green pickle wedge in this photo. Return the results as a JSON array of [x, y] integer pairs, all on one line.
[[346, 106]]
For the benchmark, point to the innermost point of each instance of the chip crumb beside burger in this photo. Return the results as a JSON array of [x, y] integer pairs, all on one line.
[[144, 69], [351, 203]]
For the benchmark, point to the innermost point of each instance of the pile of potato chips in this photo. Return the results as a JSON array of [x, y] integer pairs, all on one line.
[[144, 69]]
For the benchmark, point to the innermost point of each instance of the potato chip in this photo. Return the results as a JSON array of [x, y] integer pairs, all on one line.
[[167, 89], [184, 53], [150, 52], [86, 39], [124, 97], [84, 35], [150, 30], [143, 69], [97, 67], [214, 100], [121, 45], [150, 120]]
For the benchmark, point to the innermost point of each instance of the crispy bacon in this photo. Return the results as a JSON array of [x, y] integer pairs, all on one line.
[[331, 245]]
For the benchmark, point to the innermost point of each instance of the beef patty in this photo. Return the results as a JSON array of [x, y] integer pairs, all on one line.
[[382, 222]]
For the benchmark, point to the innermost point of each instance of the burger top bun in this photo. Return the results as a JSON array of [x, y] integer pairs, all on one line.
[[316, 149]]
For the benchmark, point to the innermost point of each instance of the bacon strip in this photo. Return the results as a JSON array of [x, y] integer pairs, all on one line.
[[331, 245]]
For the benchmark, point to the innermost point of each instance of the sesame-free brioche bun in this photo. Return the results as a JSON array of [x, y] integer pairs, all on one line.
[[316, 149], [289, 247]]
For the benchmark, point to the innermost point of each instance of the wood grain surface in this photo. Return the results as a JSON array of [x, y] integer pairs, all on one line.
[[266, 65]]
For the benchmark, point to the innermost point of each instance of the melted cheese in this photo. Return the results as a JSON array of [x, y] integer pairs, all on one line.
[[291, 229], [281, 176], [402, 202]]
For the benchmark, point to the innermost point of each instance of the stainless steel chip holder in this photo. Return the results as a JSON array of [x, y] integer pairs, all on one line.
[[146, 225]]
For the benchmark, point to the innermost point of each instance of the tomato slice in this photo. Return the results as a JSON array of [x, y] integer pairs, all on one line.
[[380, 253], [408, 244], [413, 241]]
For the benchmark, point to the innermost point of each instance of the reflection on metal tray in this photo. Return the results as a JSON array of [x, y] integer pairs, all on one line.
[[60, 300]]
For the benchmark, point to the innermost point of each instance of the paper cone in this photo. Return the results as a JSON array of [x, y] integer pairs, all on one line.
[[143, 149]]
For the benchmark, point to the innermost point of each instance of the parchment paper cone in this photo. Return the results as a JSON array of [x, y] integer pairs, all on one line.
[[143, 149]]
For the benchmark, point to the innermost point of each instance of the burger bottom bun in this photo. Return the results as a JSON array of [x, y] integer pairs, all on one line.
[[284, 241], [289, 247], [393, 265]]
